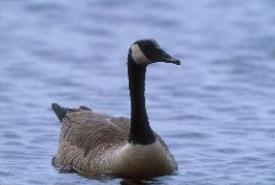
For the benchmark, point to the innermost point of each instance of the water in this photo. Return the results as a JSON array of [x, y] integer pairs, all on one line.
[[216, 111]]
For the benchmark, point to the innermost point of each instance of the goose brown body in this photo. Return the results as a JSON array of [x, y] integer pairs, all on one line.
[[95, 144]]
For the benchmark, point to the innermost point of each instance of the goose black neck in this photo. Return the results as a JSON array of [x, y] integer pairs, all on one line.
[[140, 132]]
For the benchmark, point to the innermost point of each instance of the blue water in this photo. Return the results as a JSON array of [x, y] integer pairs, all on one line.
[[216, 111]]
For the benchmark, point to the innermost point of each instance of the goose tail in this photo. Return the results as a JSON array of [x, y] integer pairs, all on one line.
[[60, 111]]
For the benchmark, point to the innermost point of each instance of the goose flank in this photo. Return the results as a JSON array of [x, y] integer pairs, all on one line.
[[96, 144]]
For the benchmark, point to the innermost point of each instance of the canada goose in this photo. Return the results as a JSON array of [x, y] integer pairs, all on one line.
[[96, 144]]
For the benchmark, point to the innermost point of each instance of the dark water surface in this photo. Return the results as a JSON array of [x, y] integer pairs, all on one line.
[[216, 111]]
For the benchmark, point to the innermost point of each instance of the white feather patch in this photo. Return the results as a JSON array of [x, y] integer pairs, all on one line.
[[138, 55]]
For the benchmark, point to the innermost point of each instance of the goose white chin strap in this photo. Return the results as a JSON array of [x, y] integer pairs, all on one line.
[[138, 55]]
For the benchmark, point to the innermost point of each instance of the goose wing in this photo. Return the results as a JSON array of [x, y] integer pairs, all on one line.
[[87, 130], [85, 136]]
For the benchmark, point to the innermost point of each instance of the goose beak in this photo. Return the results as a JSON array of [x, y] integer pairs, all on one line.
[[165, 57], [172, 61]]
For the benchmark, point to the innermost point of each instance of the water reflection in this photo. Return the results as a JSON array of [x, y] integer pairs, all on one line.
[[141, 182]]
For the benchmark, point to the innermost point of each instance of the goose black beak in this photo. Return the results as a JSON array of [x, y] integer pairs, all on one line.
[[165, 57], [172, 61]]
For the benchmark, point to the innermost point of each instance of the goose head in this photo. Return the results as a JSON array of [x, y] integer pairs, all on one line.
[[148, 51]]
